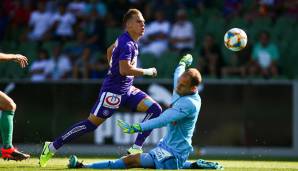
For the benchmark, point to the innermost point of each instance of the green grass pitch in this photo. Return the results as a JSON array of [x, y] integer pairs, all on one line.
[[230, 165]]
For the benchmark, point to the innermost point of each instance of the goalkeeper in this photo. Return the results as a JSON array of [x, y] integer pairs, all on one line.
[[174, 149]]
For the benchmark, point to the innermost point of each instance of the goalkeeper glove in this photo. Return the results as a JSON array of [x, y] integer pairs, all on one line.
[[127, 128], [186, 60]]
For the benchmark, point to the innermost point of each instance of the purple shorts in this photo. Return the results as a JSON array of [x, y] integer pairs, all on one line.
[[109, 102]]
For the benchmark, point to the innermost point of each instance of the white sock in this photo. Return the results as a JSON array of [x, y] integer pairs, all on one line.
[[52, 148], [137, 147]]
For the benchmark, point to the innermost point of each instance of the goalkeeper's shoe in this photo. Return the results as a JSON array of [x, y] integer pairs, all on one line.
[[45, 155], [202, 164], [132, 150], [73, 162], [186, 60], [13, 154]]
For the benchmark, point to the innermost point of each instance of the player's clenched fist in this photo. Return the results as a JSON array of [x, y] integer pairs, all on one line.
[[151, 72]]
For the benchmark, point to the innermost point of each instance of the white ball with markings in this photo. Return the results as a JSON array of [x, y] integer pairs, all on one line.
[[235, 39]]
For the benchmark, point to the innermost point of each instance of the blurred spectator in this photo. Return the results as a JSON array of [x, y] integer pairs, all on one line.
[[94, 29], [291, 8], [59, 66], [4, 22], [210, 57], [261, 8], [265, 56], [117, 8], [97, 5], [21, 13], [92, 66], [182, 34], [110, 20], [139, 4], [232, 8], [169, 8], [81, 68], [156, 36], [77, 7], [8, 6], [63, 23], [75, 48], [237, 63], [266, 7], [99, 67], [38, 67], [40, 22]]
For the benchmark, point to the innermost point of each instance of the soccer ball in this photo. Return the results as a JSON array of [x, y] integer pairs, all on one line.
[[235, 39]]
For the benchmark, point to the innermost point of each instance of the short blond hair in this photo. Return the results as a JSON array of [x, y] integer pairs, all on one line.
[[128, 15]]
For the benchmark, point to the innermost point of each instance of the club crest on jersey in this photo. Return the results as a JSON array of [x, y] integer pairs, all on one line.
[[112, 101]]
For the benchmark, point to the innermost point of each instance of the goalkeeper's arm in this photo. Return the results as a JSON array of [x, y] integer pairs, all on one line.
[[184, 62]]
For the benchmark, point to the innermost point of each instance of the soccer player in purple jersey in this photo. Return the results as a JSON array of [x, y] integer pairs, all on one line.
[[117, 89], [8, 108]]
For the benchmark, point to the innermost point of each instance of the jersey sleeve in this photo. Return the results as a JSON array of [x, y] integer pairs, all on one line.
[[126, 52], [179, 111], [178, 72]]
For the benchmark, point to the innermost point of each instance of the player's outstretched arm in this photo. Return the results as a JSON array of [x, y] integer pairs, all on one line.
[[126, 69], [20, 59], [170, 115], [184, 62]]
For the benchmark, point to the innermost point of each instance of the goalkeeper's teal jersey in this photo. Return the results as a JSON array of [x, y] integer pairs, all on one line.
[[180, 119]]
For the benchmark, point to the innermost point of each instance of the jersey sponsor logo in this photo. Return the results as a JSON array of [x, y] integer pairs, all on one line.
[[112, 101]]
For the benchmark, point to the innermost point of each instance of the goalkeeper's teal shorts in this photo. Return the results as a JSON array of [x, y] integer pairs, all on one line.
[[159, 158]]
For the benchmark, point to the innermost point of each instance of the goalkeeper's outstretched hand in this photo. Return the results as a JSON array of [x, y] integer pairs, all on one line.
[[127, 128], [186, 60]]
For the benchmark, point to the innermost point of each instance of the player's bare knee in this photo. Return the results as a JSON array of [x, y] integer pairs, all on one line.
[[132, 160], [96, 120]]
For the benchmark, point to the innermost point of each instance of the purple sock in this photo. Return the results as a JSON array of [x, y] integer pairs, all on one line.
[[153, 112], [75, 131]]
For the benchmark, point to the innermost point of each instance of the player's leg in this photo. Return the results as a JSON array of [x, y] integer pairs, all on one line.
[[202, 164], [141, 102], [144, 160], [99, 114], [76, 130], [8, 108]]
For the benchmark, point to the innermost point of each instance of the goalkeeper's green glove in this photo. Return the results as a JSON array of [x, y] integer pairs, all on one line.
[[127, 128], [186, 60]]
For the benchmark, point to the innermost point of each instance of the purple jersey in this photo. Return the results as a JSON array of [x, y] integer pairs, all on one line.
[[125, 49]]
